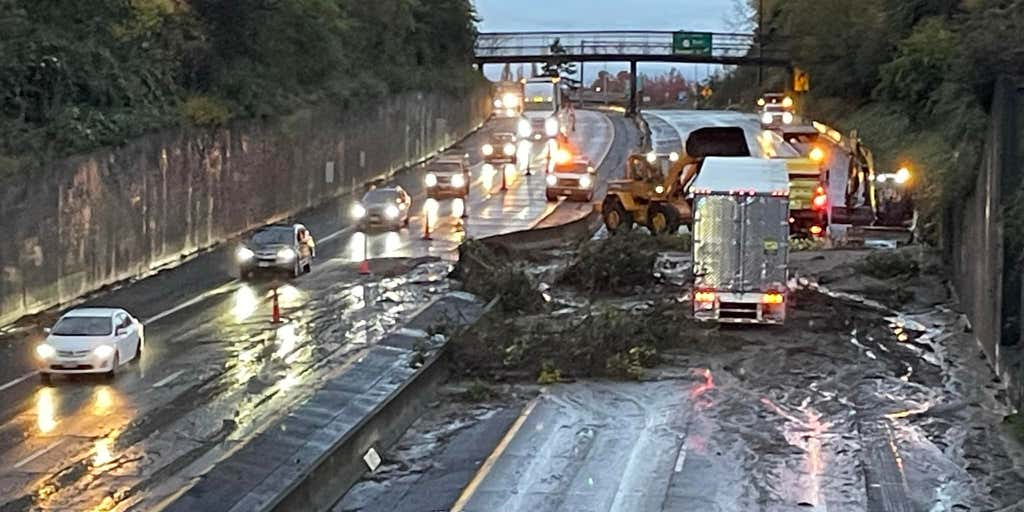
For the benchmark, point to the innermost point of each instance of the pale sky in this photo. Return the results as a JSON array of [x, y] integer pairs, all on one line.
[[549, 15]]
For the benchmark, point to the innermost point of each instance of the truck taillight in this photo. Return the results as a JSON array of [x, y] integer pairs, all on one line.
[[820, 198], [772, 298], [704, 297]]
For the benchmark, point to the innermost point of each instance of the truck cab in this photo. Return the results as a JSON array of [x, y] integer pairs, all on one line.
[[544, 114], [741, 241], [776, 110]]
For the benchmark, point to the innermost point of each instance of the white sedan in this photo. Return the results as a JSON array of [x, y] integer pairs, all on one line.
[[90, 340]]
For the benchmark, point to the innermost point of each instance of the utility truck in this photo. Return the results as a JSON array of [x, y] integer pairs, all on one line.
[[741, 241]]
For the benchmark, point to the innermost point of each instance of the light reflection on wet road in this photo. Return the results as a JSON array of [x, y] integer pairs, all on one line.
[[217, 371]]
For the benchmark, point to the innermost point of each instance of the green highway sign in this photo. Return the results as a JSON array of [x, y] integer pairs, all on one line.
[[691, 43]]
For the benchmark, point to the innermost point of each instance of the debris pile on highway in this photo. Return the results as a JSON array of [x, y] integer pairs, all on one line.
[[621, 262], [492, 272]]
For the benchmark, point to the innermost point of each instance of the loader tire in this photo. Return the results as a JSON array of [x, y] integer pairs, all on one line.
[[662, 219], [616, 218]]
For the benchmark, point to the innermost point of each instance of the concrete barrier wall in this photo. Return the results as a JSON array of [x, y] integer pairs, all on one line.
[[987, 280], [89, 221]]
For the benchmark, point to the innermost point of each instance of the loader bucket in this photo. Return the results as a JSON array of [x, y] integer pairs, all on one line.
[[717, 141]]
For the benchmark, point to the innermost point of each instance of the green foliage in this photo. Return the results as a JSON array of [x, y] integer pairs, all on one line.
[[492, 273], [205, 111], [76, 75], [922, 64], [620, 261]]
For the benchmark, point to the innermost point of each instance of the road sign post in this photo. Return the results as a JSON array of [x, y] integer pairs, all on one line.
[[692, 43]]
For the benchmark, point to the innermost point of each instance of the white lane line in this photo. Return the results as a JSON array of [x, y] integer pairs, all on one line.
[[336, 234], [681, 459], [19, 380], [191, 302], [37, 454], [168, 379]]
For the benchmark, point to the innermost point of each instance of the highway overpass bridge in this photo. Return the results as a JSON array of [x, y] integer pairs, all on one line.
[[558, 47]]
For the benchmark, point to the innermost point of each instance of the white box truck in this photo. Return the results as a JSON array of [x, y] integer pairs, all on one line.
[[741, 240]]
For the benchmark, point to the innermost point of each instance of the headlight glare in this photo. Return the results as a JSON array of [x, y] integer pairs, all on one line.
[[244, 254], [391, 212], [103, 351], [787, 117], [510, 149], [552, 180], [431, 180], [286, 253], [585, 181], [524, 128], [358, 211], [487, 150], [766, 118], [458, 181], [45, 351], [551, 127]]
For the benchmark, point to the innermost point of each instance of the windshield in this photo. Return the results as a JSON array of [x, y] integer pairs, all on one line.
[[380, 196], [83, 326], [273, 237], [446, 168], [539, 96]]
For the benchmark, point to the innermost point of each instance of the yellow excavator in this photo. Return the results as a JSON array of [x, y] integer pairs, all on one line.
[[654, 191]]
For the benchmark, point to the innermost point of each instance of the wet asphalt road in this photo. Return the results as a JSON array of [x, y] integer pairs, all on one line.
[[215, 371], [847, 408]]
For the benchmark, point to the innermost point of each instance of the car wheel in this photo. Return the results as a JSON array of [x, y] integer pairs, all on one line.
[[307, 268], [113, 368], [45, 378], [552, 197], [616, 218], [138, 351]]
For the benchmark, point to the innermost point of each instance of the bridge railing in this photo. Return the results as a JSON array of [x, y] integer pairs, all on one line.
[[645, 43]]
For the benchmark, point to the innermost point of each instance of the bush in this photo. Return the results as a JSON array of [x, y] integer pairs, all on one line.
[[205, 111], [620, 261]]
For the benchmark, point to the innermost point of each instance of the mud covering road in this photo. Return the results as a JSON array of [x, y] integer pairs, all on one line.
[[851, 406], [215, 370]]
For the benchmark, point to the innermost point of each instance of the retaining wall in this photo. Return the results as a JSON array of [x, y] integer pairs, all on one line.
[[987, 279], [89, 221]]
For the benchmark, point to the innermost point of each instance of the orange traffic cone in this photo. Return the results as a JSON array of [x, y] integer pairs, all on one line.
[[364, 267], [275, 314]]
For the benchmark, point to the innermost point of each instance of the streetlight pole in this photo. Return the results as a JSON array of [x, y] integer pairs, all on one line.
[[760, 43]]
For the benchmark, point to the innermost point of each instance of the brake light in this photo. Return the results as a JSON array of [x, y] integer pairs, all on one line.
[[772, 298], [817, 230], [820, 198], [704, 297]]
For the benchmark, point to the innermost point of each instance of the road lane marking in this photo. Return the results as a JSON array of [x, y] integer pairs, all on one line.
[[168, 379], [191, 302], [19, 380], [681, 459], [488, 464], [37, 454], [336, 234]]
